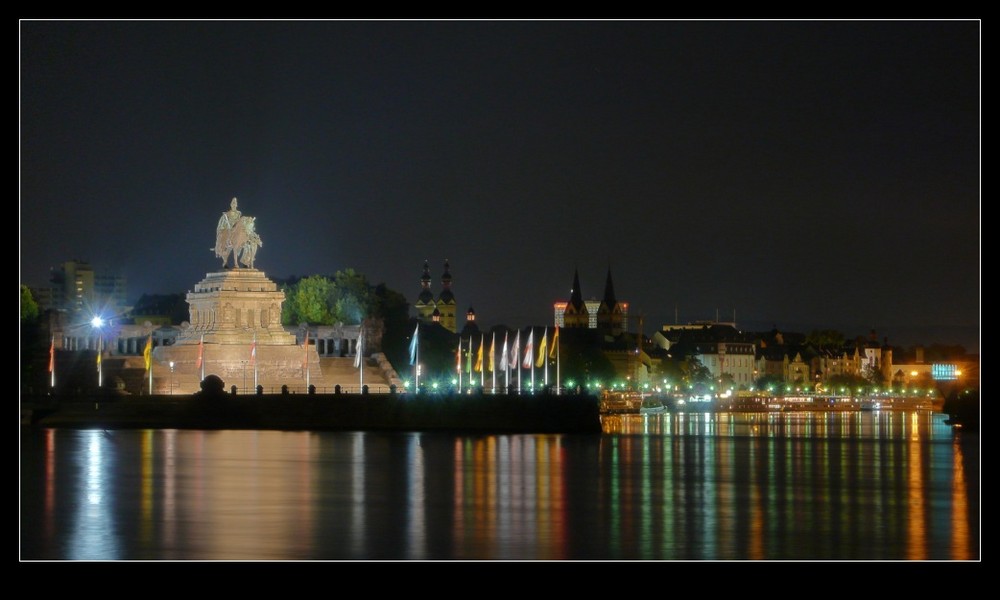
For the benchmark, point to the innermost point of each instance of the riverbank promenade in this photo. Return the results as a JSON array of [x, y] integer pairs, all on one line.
[[470, 413]]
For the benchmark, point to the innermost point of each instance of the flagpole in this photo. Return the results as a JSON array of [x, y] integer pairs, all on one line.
[[506, 367], [52, 363], [532, 360], [459, 365], [361, 360], [482, 367], [557, 363], [100, 350], [255, 361], [201, 356], [493, 364], [147, 356], [518, 365], [546, 358], [415, 358], [517, 360], [305, 351]]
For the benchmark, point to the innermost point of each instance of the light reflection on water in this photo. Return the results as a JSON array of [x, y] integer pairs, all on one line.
[[899, 425], [735, 486]]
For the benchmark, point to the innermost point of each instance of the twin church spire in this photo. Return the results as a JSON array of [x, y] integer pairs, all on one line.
[[442, 309]]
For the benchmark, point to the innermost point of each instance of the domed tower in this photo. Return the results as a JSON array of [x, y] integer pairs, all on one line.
[[470, 328], [446, 300], [576, 314], [425, 301]]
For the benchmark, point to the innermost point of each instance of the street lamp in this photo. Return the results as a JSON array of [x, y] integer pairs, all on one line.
[[97, 322], [171, 378]]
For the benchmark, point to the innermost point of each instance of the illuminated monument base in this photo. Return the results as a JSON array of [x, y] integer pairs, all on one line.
[[232, 313]]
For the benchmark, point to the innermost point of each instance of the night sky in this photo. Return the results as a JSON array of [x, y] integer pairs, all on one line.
[[805, 174]]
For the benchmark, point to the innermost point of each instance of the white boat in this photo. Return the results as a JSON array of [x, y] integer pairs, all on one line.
[[652, 406]]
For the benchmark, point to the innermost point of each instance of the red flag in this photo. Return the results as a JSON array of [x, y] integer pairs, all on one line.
[[529, 350], [253, 351], [52, 355], [201, 352]]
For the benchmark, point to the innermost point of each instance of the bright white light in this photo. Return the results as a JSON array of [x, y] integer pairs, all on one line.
[[97, 322]]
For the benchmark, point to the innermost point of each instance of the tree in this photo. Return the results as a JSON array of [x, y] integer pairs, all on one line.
[[769, 382], [670, 369], [873, 375], [308, 301], [29, 308], [350, 298], [847, 382], [695, 372], [825, 338], [581, 359], [32, 367]]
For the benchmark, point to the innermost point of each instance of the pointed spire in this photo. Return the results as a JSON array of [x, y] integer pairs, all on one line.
[[576, 297], [609, 292]]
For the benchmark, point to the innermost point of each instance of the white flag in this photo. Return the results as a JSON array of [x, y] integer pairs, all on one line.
[[359, 350], [529, 350], [503, 354]]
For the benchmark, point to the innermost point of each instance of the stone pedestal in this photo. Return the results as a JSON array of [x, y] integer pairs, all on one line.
[[232, 312], [235, 307]]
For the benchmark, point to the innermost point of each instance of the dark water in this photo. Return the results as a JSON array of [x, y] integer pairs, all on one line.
[[799, 486]]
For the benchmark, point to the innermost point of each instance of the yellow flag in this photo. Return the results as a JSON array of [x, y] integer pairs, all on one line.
[[147, 352], [555, 343], [479, 357], [493, 351], [541, 350]]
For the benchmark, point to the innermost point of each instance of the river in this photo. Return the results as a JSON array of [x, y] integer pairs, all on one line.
[[857, 486]]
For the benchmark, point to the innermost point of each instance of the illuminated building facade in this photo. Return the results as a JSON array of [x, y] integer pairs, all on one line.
[[77, 287], [607, 314]]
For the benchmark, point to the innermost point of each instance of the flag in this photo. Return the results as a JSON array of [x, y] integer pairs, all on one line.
[[358, 351], [201, 352], [52, 355], [468, 357], [555, 342], [305, 351], [253, 351], [529, 349], [493, 351], [515, 352], [147, 352], [541, 349], [99, 353], [503, 354], [413, 345], [458, 356], [479, 356]]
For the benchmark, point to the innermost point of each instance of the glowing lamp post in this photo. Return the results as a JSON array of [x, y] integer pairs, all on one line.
[[97, 323], [171, 378]]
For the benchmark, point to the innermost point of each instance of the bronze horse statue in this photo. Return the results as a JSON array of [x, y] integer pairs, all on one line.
[[240, 240]]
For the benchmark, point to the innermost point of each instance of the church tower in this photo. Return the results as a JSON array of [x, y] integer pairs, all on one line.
[[446, 300], [425, 301], [610, 314], [576, 314]]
